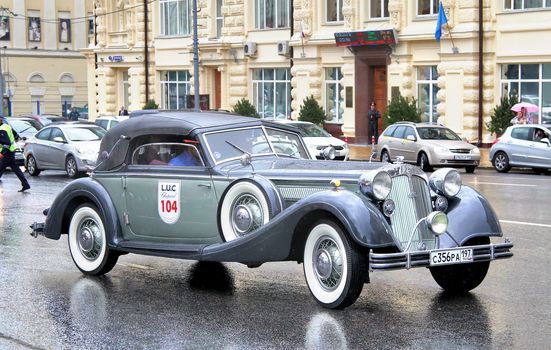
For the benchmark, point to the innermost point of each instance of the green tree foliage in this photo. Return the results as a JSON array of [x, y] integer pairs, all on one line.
[[502, 115], [311, 111], [151, 105], [245, 108], [401, 108]]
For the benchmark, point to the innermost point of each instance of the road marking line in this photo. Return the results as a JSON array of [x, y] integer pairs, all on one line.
[[500, 184], [524, 223]]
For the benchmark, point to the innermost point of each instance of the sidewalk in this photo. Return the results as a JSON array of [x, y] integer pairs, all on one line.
[[363, 152]]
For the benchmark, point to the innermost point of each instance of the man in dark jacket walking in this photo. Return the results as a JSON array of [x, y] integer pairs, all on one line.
[[373, 116], [7, 143]]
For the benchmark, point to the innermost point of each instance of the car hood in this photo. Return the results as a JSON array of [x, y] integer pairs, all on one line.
[[323, 141], [450, 144], [88, 145], [295, 169]]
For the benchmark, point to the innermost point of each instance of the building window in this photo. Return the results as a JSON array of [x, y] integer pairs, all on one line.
[[271, 14], [334, 105], [427, 7], [379, 9], [125, 89], [532, 84], [272, 92], [219, 18], [427, 88], [334, 11], [66, 104], [37, 104], [526, 4], [175, 87], [176, 17]]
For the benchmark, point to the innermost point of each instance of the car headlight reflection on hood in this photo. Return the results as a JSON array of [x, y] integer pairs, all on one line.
[[445, 181], [376, 184]]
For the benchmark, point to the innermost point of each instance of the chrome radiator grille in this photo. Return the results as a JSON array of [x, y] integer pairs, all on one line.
[[412, 198]]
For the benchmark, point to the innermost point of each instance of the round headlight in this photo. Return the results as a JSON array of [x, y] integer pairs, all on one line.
[[437, 222], [376, 184], [446, 182]]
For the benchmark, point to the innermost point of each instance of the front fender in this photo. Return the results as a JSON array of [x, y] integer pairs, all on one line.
[[470, 215], [80, 191]]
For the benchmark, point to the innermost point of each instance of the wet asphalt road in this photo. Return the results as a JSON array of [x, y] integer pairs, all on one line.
[[158, 303]]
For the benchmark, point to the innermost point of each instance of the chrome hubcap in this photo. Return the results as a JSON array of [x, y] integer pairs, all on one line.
[[247, 214], [328, 263], [89, 239]]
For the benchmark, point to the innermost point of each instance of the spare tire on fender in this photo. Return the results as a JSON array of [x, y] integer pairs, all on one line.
[[246, 205]]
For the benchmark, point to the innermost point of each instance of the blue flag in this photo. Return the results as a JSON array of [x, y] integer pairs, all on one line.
[[440, 22]]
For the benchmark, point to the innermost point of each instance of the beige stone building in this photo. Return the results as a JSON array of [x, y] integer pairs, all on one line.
[[43, 70], [278, 52]]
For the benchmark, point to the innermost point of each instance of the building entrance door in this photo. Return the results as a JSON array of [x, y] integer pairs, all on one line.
[[380, 92], [217, 89]]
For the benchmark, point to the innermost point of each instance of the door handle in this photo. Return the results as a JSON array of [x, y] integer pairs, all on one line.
[[205, 185]]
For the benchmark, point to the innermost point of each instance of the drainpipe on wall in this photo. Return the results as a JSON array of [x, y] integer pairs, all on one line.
[[146, 50], [480, 70]]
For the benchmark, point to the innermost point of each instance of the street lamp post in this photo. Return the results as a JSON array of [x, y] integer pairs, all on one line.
[[195, 59]]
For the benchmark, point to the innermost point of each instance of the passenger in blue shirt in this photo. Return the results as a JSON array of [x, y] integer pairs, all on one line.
[[186, 158]]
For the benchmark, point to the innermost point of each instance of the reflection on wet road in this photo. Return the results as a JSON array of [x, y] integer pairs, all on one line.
[[157, 303]]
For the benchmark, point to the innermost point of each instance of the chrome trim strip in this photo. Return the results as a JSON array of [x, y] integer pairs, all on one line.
[[156, 175], [407, 260]]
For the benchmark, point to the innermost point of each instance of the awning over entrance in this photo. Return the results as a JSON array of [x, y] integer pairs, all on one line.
[[366, 38]]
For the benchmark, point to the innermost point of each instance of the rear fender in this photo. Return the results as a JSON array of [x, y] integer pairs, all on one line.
[[79, 192]]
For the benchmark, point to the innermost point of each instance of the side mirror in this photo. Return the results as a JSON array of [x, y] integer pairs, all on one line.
[[411, 138], [546, 141], [58, 139]]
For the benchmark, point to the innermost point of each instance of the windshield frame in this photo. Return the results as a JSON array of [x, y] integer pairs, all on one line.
[[253, 155], [67, 131]]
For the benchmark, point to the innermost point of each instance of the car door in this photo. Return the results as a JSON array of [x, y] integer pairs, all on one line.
[[39, 145], [57, 149], [409, 147], [395, 141], [539, 153], [167, 200], [519, 145]]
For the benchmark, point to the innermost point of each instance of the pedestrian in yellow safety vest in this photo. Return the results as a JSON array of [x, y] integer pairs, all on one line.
[[7, 141]]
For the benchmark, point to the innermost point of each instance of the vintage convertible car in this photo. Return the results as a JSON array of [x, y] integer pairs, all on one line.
[[220, 187]]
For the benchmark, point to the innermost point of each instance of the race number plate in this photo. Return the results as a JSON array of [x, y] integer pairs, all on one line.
[[168, 201], [463, 157], [452, 256]]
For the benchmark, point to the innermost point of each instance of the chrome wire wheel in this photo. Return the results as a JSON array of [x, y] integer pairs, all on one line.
[[328, 264], [247, 214], [88, 241], [71, 167], [334, 268]]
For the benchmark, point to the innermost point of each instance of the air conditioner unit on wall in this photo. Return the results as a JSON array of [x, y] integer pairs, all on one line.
[[249, 49], [283, 48]]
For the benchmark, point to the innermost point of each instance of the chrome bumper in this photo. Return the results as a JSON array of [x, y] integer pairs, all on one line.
[[407, 260]]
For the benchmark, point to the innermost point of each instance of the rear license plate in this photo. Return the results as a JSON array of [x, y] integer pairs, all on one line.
[[452, 256], [463, 157]]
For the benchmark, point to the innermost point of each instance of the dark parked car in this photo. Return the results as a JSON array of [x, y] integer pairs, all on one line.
[[523, 146], [219, 187], [45, 119]]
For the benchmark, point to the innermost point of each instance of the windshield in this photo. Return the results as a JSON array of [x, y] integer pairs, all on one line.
[[311, 130], [22, 127], [437, 133], [85, 134], [231, 144]]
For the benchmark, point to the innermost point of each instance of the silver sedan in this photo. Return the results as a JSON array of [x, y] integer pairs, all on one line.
[[71, 147], [523, 146]]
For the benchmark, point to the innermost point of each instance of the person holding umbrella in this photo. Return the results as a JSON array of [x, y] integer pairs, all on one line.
[[523, 110]]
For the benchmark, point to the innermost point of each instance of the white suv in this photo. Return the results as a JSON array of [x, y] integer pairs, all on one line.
[[107, 122]]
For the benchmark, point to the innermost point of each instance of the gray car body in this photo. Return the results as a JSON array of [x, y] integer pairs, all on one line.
[[126, 198], [51, 155], [526, 151]]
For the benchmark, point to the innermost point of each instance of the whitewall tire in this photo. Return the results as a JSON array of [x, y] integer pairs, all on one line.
[[333, 267], [243, 210], [88, 242]]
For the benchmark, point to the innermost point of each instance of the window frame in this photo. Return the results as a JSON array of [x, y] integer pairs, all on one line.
[[338, 99], [167, 165], [384, 6], [184, 19], [546, 4], [432, 9], [165, 90], [261, 19], [433, 83], [338, 11], [258, 85]]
